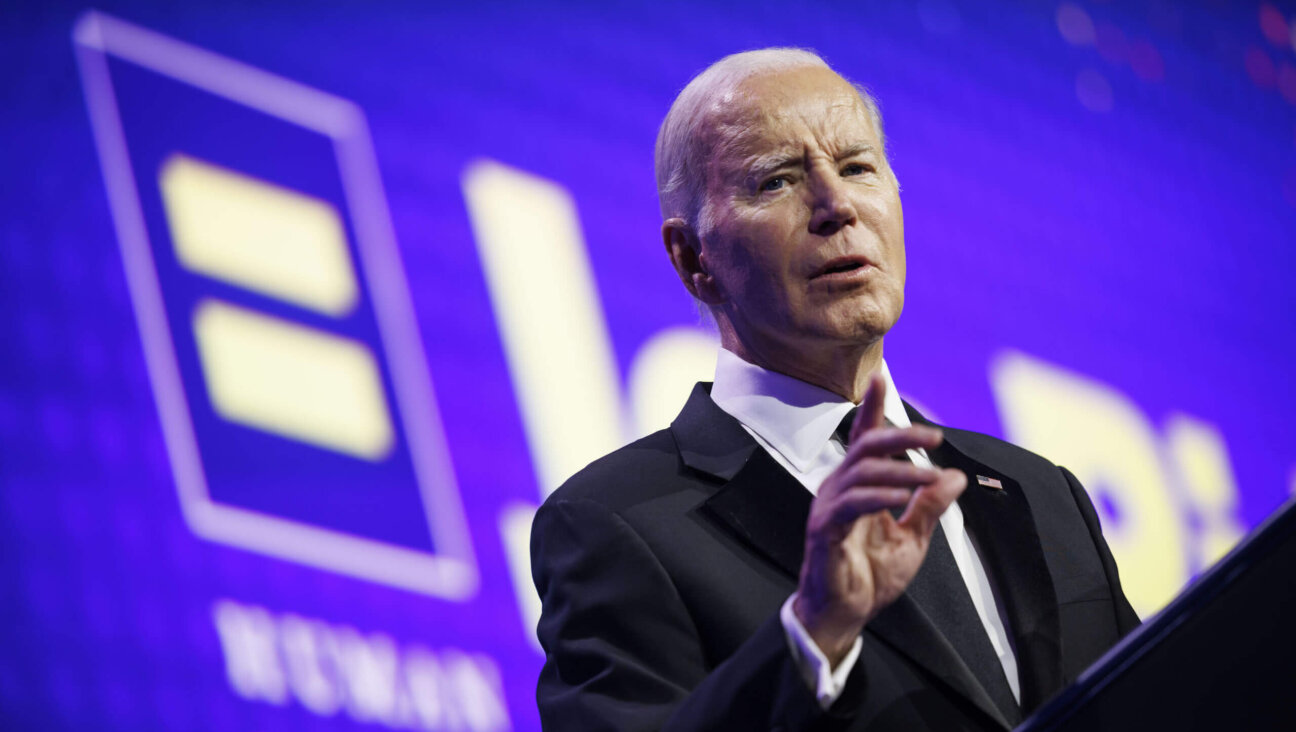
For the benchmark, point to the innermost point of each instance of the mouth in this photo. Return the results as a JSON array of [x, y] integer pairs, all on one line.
[[842, 268]]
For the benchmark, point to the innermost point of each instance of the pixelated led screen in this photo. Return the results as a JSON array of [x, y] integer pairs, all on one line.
[[306, 307]]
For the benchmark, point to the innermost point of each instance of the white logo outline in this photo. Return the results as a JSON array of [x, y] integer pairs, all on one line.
[[450, 573]]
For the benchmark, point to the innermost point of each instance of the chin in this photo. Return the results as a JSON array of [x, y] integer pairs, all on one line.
[[862, 326], [848, 335]]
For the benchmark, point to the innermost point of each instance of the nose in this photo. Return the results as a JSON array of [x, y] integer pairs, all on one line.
[[831, 207]]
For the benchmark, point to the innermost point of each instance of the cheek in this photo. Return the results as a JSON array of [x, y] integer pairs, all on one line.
[[756, 255], [755, 279], [895, 236], [753, 253]]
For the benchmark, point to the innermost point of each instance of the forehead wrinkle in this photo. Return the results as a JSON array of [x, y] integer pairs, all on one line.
[[736, 141], [743, 126], [840, 126], [835, 125], [796, 154]]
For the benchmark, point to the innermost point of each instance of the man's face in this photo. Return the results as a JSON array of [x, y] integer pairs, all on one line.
[[801, 226]]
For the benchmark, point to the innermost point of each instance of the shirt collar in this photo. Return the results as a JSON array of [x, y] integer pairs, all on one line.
[[796, 418]]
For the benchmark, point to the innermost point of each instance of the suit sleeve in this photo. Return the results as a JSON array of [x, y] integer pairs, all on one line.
[[1126, 618], [622, 652]]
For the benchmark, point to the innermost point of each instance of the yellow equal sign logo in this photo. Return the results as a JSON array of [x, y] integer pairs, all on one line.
[[261, 371]]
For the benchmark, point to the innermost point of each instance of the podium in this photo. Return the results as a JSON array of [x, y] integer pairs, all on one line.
[[1221, 656]]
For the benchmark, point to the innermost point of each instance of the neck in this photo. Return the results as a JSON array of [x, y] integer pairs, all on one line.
[[842, 368]]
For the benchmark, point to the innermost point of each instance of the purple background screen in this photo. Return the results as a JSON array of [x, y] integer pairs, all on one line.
[[1105, 188]]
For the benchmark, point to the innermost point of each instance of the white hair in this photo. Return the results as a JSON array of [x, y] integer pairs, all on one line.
[[679, 158]]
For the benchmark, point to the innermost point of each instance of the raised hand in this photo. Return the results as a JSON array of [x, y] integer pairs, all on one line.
[[858, 558]]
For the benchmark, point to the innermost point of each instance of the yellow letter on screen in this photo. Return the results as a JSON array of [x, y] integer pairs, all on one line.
[[293, 381], [1102, 437], [1198, 452], [551, 320], [265, 238], [664, 372]]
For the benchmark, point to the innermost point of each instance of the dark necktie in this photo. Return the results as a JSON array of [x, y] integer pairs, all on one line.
[[842, 433], [940, 591]]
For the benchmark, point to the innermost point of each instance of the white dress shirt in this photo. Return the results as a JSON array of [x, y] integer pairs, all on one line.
[[794, 422]]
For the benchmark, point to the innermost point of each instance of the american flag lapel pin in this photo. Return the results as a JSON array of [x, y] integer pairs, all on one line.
[[990, 482]]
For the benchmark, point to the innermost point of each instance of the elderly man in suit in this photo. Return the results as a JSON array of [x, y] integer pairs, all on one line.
[[801, 549]]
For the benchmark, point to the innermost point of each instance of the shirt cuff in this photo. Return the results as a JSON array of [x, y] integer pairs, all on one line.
[[827, 683]]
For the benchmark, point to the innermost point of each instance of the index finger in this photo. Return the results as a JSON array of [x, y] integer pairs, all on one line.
[[930, 501], [870, 412]]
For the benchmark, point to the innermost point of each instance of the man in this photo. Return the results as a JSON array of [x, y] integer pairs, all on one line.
[[780, 558]]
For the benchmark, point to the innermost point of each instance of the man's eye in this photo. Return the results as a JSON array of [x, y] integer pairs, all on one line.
[[857, 169], [773, 184]]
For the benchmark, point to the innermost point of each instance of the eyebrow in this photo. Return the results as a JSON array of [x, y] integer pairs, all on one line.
[[763, 165]]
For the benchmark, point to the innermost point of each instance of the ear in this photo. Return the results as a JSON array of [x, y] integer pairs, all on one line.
[[685, 252]]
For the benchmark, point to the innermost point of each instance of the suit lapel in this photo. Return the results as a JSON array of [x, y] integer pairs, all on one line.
[[762, 504], [758, 501], [905, 627], [768, 508], [1000, 521], [709, 439]]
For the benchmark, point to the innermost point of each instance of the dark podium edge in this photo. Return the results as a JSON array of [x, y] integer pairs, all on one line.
[[1278, 528]]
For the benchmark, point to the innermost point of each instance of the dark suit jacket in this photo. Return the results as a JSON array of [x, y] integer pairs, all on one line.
[[662, 568]]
